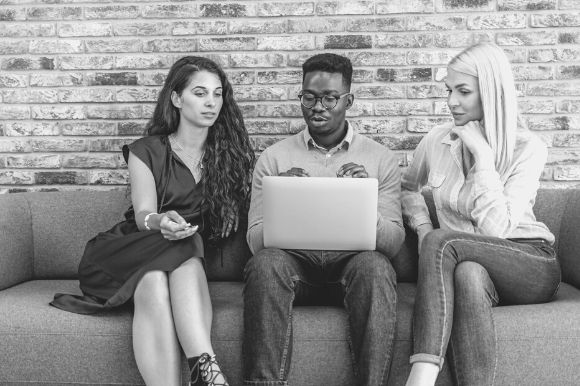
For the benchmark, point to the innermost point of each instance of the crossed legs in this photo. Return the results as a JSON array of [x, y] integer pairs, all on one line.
[[172, 310]]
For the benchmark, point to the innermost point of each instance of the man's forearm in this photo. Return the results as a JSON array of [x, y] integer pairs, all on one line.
[[255, 238], [390, 237]]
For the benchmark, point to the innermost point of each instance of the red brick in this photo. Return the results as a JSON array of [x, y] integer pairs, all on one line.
[[285, 9], [405, 6], [267, 127], [184, 11], [200, 28], [378, 92], [13, 80], [316, 25], [226, 10], [19, 30], [379, 126], [54, 13], [339, 7], [117, 45], [112, 12], [108, 177], [61, 177], [58, 145], [84, 29], [170, 45], [88, 128], [16, 177], [30, 161], [142, 28], [257, 27], [91, 161]]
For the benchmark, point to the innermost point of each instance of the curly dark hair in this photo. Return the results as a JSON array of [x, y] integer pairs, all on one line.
[[328, 62], [228, 158]]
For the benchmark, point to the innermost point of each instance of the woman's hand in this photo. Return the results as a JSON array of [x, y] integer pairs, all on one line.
[[174, 227], [472, 136], [231, 219]]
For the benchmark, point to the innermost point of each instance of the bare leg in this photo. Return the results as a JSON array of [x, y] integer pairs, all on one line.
[[423, 374], [154, 340], [191, 306], [192, 310]]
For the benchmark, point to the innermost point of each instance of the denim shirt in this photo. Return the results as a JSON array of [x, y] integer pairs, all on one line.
[[482, 201]]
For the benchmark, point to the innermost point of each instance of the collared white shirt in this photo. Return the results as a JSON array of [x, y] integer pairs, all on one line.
[[480, 202], [344, 144]]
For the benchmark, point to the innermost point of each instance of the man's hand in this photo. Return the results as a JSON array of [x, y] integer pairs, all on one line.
[[352, 170], [295, 172]]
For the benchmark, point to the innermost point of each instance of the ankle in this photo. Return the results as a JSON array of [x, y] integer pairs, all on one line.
[[205, 370], [423, 374]]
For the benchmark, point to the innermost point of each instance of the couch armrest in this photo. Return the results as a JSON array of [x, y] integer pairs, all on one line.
[[16, 246], [569, 240]]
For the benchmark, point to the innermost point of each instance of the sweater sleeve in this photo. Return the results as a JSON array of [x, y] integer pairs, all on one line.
[[255, 235], [390, 230]]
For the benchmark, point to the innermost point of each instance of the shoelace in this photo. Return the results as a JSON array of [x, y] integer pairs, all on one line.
[[208, 369]]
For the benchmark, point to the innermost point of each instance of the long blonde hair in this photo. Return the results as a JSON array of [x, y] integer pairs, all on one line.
[[490, 65]]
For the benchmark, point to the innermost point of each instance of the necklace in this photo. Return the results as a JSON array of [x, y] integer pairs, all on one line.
[[193, 163]]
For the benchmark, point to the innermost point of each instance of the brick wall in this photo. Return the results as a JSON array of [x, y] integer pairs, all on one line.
[[79, 78]]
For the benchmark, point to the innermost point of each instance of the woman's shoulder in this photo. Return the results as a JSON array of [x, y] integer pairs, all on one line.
[[149, 141], [528, 143], [437, 134], [146, 147]]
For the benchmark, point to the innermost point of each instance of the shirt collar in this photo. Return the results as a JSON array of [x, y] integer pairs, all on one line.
[[345, 143]]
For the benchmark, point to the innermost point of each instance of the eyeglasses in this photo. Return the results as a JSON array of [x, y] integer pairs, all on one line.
[[329, 102]]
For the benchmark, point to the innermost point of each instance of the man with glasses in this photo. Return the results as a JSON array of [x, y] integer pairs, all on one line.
[[364, 282]]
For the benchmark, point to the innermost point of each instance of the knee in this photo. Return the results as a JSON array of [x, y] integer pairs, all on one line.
[[152, 291], [190, 267], [437, 242], [436, 238], [266, 266], [266, 272], [374, 268], [471, 277]]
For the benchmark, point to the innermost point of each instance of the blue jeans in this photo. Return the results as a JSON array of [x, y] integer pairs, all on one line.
[[461, 277], [277, 279]]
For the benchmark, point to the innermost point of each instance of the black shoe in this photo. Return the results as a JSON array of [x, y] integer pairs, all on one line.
[[205, 371]]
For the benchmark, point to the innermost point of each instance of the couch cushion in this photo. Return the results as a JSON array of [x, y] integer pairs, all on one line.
[[63, 222], [569, 251], [538, 344], [43, 343], [15, 239]]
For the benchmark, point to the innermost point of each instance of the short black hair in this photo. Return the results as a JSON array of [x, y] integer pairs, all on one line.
[[328, 62]]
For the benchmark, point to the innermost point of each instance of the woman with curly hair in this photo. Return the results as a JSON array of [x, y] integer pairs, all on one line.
[[190, 180]]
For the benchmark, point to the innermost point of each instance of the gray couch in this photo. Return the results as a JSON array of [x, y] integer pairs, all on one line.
[[42, 236]]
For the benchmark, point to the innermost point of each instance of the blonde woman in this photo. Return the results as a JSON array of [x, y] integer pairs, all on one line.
[[484, 172]]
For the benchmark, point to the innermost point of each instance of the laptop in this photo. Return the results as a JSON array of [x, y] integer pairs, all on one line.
[[323, 213]]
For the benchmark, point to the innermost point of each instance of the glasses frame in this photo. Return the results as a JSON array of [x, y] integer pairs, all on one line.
[[320, 98]]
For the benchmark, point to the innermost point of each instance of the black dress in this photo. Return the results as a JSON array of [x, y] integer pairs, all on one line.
[[114, 261]]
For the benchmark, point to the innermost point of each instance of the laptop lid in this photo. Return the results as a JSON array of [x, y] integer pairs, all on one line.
[[322, 213]]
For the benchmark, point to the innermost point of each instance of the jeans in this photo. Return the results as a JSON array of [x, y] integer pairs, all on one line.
[[461, 277], [275, 280]]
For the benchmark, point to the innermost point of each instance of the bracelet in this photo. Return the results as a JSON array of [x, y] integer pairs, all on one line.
[[147, 219]]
